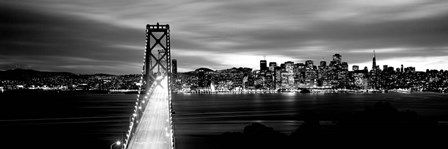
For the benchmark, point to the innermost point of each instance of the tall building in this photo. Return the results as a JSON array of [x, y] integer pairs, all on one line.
[[332, 64], [344, 66], [278, 77], [300, 66], [360, 79], [323, 63], [309, 64], [289, 66], [272, 66], [409, 69], [374, 77], [288, 75], [263, 65], [355, 67], [385, 67], [402, 69], [390, 69], [373, 61], [174, 68], [337, 58]]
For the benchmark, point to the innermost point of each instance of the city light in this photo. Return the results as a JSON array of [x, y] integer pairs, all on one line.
[[312, 77]]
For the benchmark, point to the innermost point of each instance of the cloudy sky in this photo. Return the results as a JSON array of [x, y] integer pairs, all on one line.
[[108, 36]]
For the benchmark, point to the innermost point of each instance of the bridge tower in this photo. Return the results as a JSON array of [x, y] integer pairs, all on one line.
[[157, 54], [151, 123]]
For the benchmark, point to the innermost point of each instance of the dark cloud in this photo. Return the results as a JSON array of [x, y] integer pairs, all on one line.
[[48, 38], [94, 35], [424, 32]]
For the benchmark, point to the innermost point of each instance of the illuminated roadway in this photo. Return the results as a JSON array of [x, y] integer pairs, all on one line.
[[154, 130]]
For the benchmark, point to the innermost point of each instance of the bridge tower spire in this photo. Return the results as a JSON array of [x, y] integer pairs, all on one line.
[[374, 61]]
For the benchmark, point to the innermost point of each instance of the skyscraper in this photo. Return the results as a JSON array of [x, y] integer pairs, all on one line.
[[278, 77], [390, 69], [174, 68], [272, 66], [263, 65], [374, 77], [300, 66], [289, 74], [323, 63], [173, 73], [309, 64], [355, 67], [374, 62], [344, 66], [289, 66], [402, 68], [337, 58]]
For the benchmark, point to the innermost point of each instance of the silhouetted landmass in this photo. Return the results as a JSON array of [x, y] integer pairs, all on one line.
[[21, 74], [380, 125], [204, 69], [255, 135], [305, 91]]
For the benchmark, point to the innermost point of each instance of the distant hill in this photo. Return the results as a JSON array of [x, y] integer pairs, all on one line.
[[18, 74], [204, 69], [103, 74]]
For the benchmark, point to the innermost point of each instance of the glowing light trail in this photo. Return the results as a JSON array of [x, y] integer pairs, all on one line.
[[154, 129]]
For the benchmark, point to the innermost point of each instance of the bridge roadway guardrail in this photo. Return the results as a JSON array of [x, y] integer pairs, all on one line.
[[139, 108]]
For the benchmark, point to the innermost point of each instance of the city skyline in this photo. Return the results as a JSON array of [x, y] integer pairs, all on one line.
[[108, 37], [268, 63]]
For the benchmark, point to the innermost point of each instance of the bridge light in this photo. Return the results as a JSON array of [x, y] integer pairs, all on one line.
[[115, 143]]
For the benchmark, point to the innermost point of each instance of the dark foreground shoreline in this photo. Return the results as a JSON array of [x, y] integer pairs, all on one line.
[[380, 125]]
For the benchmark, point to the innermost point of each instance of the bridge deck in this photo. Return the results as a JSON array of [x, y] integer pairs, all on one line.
[[154, 130]]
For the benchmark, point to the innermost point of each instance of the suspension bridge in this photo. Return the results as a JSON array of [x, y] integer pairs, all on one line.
[[151, 125]]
